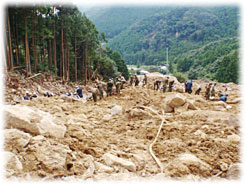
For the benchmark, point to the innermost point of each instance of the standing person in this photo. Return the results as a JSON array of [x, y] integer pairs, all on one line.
[[136, 80], [118, 85], [123, 81], [188, 87], [185, 85], [157, 84], [94, 94], [171, 84], [213, 90], [165, 84], [109, 87], [145, 80], [131, 79], [207, 92], [100, 87]]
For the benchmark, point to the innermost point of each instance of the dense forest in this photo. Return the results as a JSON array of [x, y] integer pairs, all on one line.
[[61, 40], [198, 38], [114, 20]]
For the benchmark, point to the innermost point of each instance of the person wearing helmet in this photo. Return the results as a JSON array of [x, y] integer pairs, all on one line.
[[79, 92], [26, 96], [109, 87], [185, 85], [100, 87], [33, 96]]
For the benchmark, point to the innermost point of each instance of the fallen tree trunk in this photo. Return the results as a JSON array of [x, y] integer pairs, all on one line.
[[34, 75]]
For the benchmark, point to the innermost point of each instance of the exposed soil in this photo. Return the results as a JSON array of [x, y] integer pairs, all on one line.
[[192, 144]]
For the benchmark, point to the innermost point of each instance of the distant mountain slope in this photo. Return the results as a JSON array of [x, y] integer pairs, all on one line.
[[143, 34], [205, 61], [181, 29], [114, 20]]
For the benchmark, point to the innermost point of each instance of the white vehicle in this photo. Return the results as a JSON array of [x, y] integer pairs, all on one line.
[[142, 72]]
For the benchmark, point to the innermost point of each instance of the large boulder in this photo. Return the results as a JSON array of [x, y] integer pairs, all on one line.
[[175, 103], [33, 121], [50, 153], [151, 77], [176, 100]]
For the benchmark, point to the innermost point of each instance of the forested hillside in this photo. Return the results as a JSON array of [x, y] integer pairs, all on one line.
[[114, 20], [183, 30], [58, 39]]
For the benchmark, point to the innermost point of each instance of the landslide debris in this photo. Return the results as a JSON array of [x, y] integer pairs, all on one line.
[[57, 138]]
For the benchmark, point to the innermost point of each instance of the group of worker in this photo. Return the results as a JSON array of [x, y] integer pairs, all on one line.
[[120, 81], [166, 84], [29, 96], [134, 79], [210, 92]]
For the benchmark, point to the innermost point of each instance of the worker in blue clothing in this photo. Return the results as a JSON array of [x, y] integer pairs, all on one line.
[[26, 96], [223, 97], [188, 87], [79, 92]]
